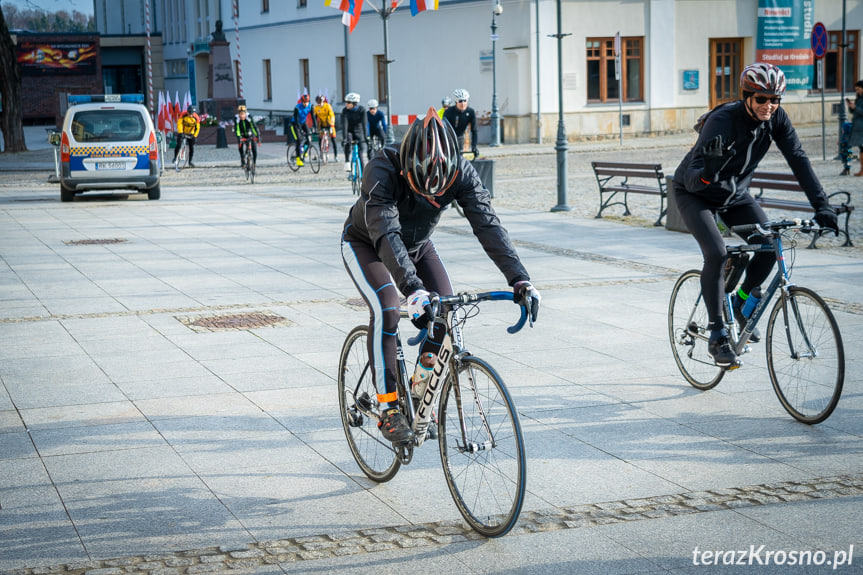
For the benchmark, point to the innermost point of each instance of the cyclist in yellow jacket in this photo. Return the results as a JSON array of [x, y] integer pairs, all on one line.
[[325, 119], [188, 126]]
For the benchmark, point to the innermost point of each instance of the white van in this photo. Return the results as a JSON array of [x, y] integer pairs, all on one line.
[[109, 142]]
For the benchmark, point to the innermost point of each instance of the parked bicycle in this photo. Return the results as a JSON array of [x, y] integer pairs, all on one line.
[[310, 156], [805, 355], [182, 152], [248, 160], [476, 423], [356, 173]]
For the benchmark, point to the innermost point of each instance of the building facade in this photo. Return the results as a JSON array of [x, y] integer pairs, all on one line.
[[677, 58]]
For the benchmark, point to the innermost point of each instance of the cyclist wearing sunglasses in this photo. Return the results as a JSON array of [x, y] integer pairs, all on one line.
[[461, 117], [386, 245], [714, 178]]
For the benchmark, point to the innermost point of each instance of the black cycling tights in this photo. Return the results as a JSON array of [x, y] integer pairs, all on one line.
[[376, 286], [700, 220]]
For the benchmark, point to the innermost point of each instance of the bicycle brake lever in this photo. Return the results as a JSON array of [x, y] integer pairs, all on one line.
[[418, 338]]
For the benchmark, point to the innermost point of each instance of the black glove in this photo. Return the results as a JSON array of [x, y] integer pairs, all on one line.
[[475, 153], [716, 155], [827, 219]]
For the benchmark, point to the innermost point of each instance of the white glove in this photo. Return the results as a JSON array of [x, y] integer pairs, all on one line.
[[417, 303], [528, 296]]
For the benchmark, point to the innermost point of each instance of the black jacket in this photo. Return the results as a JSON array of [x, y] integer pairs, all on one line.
[[397, 221], [750, 139], [461, 121], [354, 122]]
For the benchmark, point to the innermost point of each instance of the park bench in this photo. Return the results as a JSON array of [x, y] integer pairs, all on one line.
[[778, 181], [614, 179]]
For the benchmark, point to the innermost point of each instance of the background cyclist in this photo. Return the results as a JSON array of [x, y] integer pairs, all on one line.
[[462, 117], [188, 127], [714, 178], [325, 119], [386, 245], [354, 123], [246, 129], [300, 122], [444, 104], [377, 123]]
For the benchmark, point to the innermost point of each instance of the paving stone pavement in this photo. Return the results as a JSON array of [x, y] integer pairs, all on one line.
[[142, 432]]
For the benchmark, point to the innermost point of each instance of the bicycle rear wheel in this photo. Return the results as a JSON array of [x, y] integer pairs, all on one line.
[[292, 158], [805, 355], [687, 330], [324, 143], [358, 404], [487, 475], [313, 159]]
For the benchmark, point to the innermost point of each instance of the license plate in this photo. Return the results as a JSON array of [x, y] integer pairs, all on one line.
[[110, 165]]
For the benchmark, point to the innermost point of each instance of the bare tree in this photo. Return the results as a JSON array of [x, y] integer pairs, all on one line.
[[10, 90]]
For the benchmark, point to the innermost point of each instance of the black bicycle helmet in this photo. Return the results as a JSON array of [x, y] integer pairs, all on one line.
[[429, 155]]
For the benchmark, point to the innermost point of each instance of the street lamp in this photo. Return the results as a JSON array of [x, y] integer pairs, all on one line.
[[496, 11]]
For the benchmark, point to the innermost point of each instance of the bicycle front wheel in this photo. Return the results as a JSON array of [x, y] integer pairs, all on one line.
[[688, 332], [292, 158], [360, 410], [324, 143], [483, 460], [805, 356], [183, 156], [313, 158], [356, 176]]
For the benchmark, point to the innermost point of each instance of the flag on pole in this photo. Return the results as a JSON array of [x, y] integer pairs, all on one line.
[[352, 9], [176, 108], [160, 114], [327, 2], [187, 100], [418, 6]]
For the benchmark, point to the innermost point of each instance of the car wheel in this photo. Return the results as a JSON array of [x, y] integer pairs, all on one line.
[[154, 193], [66, 194]]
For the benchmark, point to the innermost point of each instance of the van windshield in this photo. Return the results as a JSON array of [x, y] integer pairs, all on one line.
[[108, 126]]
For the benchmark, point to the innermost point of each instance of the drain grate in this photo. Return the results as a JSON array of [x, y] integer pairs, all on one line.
[[234, 322], [95, 242]]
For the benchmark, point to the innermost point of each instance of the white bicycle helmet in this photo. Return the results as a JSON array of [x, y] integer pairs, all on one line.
[[372, 103], [429, 155], [762, 78], [460, 94], [353, 98], [446, 102]]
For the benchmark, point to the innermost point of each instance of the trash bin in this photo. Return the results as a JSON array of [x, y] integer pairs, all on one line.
[[673, 221], [221, 138], [485, 169]]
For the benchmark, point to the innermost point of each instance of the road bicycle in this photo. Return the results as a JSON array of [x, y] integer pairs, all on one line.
[[182, 160], [248, 160], [356, 173], [805, 355], [310, 155], [375, 145], [325, 143], [476, 423]]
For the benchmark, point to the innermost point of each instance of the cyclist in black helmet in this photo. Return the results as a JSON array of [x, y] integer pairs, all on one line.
[[386, 245], [714, 177]]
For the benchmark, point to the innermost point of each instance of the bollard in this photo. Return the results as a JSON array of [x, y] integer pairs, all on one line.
[[221, 139]]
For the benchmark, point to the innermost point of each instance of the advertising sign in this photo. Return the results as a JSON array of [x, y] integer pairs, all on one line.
[[784, 28], [37, 58]]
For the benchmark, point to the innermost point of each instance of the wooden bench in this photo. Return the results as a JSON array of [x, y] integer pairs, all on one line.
[[767, 181], [614, 178]]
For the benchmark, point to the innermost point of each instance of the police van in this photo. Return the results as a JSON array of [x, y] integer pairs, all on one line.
[[109, 142]]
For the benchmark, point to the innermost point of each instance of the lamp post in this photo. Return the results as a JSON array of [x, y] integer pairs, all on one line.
[[495, 116], [560, 145]]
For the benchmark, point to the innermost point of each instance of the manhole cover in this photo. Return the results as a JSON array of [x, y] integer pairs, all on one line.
[[234, 322], [95, 242]]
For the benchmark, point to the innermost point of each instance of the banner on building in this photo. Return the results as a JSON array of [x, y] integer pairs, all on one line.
[[37, 58], [784, 27]]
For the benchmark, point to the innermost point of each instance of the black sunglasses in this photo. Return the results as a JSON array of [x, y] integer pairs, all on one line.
[[764, 99], [460, 101]]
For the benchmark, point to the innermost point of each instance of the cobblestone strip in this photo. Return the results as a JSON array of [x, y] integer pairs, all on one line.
[[345, 543]]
